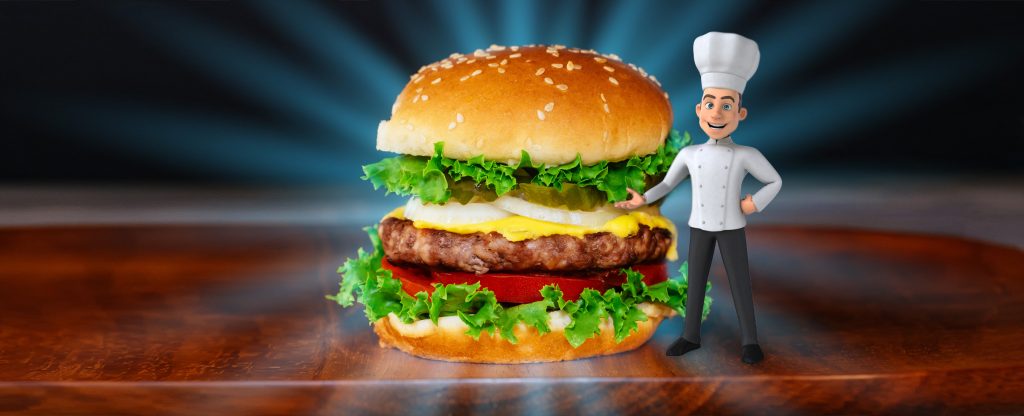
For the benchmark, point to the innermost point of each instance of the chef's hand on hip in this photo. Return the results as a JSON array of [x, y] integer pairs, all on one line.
[[635, 200], [747, 205]]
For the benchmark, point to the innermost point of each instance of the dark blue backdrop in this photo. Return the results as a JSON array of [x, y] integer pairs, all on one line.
[[271, 92]]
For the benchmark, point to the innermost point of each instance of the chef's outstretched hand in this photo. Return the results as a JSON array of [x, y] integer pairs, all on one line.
[[635, 200], [747, 205]]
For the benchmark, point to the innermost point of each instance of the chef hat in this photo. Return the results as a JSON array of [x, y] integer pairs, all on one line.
[[725, 60]]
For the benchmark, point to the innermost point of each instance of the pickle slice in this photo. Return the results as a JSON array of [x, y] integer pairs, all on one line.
[[571, 197], [466, 190]]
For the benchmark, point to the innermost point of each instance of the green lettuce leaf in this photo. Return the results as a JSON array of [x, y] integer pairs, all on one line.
[[365, 281], [532, 314], [428, 177]]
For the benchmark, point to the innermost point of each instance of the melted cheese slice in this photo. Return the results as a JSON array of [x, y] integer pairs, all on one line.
[[519, 228]]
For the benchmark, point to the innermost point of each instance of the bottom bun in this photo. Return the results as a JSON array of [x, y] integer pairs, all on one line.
[[447, 340]]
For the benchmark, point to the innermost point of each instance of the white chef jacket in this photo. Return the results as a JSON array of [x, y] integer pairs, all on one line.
[[718, 168]]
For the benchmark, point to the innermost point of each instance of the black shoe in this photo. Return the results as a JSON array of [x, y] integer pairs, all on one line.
[[752, 354], [681, 346]]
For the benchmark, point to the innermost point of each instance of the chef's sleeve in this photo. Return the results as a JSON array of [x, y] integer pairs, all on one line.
[[763, 171], [676, 173]]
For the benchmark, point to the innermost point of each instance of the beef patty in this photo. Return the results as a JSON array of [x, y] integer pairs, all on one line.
[[484, 252]]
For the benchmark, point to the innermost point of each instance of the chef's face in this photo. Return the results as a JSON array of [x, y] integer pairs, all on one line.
[[719, 112]]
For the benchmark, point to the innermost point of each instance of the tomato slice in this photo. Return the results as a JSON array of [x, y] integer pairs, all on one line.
[[521, 287]]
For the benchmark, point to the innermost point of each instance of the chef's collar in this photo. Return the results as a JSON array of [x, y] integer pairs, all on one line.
[[724, 140]]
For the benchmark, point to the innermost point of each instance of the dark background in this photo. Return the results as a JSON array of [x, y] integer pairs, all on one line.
[[291, 92]]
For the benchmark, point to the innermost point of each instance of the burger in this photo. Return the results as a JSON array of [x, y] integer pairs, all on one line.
[[509, 249]]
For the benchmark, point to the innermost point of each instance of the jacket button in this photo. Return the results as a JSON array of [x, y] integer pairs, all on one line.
[[700, 186], [723, 186], [702, 222], [720, 223], [727, 167], [698, 166], [701, 205], [722, 206]]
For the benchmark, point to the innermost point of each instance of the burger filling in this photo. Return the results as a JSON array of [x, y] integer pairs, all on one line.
[[498, 244]]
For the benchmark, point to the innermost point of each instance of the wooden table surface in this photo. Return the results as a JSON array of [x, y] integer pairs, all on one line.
[[233, 320]]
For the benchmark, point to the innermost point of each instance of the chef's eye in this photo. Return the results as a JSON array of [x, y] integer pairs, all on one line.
[[727, 107], [709, 105]]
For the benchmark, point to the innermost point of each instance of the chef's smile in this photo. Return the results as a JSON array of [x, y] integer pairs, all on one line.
[[717, 126]]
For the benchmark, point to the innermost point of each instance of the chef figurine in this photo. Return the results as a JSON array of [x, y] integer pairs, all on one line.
[[725, 61]]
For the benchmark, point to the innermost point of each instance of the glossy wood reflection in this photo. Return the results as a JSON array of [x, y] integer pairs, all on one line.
[[233, 319]]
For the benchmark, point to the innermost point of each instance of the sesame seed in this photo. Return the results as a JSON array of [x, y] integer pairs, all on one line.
[[568, 66], [451, 126], [494, 47], [417, 79], [540, 114], [464, 78], [602, 97], [475, 73], [425, 97], [665, 94], [455, 55], [562, 87], [556, 65], [515, 55], [490, 57], [609, 69], [539, 71], [419, 90], [415, 99], [559, 46], [435, 81], [514, 48], [548, 80], [549, 106], [606, 108], [613, 80], [479, 52], [459, 117], [492, 65], [501, 70], [614, 56], [600, 60], [504, 61], [471, 61]]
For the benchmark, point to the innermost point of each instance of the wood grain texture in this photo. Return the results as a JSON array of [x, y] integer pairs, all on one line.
[[232, 320]]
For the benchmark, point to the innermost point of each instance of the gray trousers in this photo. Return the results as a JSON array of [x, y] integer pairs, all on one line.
[[732, 244]]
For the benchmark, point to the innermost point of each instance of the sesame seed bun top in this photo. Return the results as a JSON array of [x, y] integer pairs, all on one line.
[[551, 101]]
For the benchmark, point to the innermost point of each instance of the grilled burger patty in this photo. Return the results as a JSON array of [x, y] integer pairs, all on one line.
[[486, 252]]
